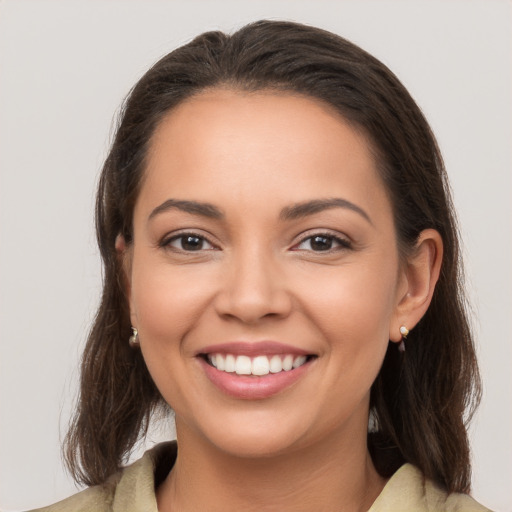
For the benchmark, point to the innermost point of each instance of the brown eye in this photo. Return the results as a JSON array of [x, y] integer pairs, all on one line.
[[189, 242], [322, 243]]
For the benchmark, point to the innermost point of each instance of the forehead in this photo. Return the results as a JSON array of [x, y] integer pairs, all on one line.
[[266, 116], [281, 144]]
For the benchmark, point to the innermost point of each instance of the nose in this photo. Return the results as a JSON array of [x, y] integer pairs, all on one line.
[[254, 289]]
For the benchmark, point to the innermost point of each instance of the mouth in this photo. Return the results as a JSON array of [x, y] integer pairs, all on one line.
[[259, 365], [254, 371]]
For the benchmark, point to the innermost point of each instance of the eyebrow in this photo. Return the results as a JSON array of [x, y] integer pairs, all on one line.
[[293, 212], [194, 207], [306, 208]]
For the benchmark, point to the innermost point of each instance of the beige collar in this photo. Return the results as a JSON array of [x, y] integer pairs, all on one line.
[[406, 491]]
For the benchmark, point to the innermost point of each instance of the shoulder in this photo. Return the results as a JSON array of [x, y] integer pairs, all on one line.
[[409, 490], [94, 499], [131, 489]]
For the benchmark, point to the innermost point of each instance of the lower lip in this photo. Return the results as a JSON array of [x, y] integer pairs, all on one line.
[[252, 387]]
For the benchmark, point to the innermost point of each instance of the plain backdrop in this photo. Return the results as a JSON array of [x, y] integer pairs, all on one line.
[[65, 67]]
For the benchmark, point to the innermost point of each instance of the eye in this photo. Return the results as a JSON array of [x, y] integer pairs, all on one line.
[[188, 242], [322, 242]]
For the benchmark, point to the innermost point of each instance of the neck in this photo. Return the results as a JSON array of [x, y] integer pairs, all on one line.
[[327, 476]]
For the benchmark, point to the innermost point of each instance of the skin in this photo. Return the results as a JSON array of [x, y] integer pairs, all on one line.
[[257, 276]]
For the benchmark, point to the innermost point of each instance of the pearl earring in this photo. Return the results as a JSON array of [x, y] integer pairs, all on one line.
[[404, 332], [134, 338]]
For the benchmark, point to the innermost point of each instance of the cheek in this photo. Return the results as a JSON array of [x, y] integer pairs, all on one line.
[[353, 303], [167, 301], [167, 304], [353, 308]]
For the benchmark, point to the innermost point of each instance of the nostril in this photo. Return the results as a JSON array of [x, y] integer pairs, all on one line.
[[253, 307]]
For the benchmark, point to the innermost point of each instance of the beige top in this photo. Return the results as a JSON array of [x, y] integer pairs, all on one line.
[[133, 490]]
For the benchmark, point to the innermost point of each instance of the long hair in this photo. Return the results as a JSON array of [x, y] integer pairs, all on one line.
[[421, 400]]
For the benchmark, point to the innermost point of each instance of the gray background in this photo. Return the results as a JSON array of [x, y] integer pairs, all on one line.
[[65, 67]]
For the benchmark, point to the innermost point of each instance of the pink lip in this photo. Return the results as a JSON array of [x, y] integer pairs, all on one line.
[[250, 387], [265, 348]]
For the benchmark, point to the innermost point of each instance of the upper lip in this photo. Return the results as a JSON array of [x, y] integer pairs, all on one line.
[[253, 348]]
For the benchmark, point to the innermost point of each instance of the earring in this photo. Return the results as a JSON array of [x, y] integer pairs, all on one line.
[[404, 332], [134, 338]]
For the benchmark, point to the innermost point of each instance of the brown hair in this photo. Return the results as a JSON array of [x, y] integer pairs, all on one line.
[[421, 400]]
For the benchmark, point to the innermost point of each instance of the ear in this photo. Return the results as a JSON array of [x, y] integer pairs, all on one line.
[[420, 275], [124, 255]]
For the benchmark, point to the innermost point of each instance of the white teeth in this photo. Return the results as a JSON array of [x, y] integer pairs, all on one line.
[[259, 365], [299, 361], [230, 364], [243, 365], [288, 363], [276, 365]]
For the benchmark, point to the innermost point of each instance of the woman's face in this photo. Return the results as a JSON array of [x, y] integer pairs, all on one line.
[[263, 239]]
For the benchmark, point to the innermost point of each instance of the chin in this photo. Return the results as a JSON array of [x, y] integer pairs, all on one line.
[[251, 435]]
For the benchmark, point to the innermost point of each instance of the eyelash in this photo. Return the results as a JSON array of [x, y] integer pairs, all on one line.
[[166, 242], [343, 243]]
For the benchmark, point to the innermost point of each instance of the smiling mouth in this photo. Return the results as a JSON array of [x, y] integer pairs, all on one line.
[[259, 365]]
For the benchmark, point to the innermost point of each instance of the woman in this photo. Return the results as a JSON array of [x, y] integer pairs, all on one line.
[[281, 269]]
